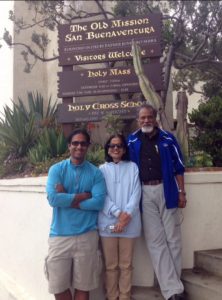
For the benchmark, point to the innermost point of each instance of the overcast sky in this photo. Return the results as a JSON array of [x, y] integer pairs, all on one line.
[[6, 86]]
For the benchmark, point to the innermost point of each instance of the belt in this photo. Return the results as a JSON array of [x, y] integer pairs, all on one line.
[[152, 182]]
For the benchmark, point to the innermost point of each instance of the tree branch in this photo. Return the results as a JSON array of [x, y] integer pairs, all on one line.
[[199, 48], [197, 92], [196, 62], [29, 49], [102, 9], [27, 26]]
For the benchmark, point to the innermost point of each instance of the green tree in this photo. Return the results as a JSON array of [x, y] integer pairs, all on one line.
[[113, 124], [20, 127], [17, 134], [192, 39], [207, 120]]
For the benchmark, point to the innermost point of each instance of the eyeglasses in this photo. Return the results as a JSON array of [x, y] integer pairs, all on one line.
[[82, 144], [118, 146]]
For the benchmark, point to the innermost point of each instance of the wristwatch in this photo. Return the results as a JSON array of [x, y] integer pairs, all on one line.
[[182, 192]]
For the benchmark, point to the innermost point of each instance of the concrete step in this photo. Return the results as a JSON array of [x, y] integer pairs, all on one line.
[[138, 293], [145, 293], [209, 260], [202, 285]]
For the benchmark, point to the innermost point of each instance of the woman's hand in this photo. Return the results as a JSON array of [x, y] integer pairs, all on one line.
[[124, 218], [123, 221], [118, 228]]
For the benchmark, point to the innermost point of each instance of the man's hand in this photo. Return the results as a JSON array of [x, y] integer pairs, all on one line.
[[82, 196], [79, 198], [60, 188], [182, 200]]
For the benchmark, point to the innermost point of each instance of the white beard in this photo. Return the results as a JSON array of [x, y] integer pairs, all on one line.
[[147, 129]]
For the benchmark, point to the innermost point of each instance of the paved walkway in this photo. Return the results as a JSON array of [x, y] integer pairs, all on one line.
[[145, 293], [138, 293], [4, 295], [10, 290]]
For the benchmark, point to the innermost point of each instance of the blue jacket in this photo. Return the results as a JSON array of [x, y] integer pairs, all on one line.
[[68, 221], [171, 162]]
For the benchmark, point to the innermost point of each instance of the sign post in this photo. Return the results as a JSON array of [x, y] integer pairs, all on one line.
[[109, 40]]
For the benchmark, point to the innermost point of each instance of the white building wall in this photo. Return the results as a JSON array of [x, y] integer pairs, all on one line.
[[22, 81], [6, 57]]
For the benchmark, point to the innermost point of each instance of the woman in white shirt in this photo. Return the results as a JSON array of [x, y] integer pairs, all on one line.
[[119, 221]]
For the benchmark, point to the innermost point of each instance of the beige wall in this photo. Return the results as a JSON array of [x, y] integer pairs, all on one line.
[[37, 79]]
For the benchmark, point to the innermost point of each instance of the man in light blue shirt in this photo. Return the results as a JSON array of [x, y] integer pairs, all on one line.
[[76, 191]]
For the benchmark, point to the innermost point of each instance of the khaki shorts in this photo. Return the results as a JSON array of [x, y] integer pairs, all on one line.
[[73, 262]]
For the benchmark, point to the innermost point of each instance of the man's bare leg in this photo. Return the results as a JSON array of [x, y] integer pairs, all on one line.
[[66, 295], [81, 295]]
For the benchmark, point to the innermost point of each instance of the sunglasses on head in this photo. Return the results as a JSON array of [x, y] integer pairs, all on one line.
[[82, 144], [118, 146]]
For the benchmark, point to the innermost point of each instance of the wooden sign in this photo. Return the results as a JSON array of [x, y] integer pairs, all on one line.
[[107, 81], [109, 40], [96, 111]]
